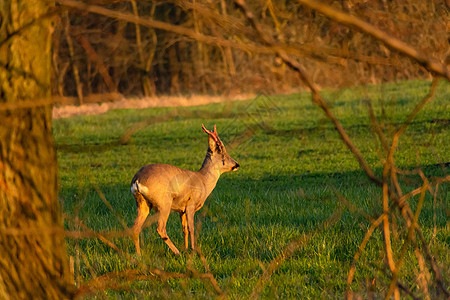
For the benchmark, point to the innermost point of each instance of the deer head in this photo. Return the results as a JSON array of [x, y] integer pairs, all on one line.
[[217, 153]]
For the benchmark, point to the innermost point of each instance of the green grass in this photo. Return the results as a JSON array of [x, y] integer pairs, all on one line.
[[286, 187]]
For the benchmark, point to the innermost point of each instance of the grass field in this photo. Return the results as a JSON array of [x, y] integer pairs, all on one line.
[[293, 167]]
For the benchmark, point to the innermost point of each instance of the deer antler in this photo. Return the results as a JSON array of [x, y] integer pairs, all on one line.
[[213, 133]]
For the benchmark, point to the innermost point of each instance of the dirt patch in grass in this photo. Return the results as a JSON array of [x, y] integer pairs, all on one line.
[[136, 103]]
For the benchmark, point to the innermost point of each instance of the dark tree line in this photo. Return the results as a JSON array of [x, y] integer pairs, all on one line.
[[99, 54]]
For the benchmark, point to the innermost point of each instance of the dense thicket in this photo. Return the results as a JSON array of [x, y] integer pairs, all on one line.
[[98, 54]]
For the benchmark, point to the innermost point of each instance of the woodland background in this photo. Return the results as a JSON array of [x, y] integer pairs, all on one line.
[[102, 54], [67, 51]]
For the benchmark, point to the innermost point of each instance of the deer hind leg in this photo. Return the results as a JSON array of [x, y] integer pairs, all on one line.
[[161, 229], [142, 212], [185, 229]]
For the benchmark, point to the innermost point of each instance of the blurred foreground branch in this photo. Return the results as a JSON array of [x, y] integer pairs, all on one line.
[[389, 182], [396, 44], [290, 249], [183, 31], [123, 279], [316, 97]]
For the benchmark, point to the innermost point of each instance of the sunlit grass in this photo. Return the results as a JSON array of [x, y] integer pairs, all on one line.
[[291, 171]]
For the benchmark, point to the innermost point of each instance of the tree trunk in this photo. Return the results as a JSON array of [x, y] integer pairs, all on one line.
[[33, 258]]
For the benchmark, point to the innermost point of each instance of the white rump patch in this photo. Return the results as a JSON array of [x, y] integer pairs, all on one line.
[[136, 187]]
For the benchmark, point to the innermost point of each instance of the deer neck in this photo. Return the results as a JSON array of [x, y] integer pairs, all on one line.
[[209, 172]]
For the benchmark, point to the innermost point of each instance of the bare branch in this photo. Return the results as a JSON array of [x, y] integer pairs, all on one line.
[[111, 209], [101, 237], [411, 231], [248, 46], [386, 230], [393, 43], [358, 253], [290, 249], [316, 97]]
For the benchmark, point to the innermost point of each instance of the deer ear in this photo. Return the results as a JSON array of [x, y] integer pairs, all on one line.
[[212, 143]]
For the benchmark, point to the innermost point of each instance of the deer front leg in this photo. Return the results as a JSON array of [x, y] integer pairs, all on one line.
[[185, 229], [161, 229], [190, 211]]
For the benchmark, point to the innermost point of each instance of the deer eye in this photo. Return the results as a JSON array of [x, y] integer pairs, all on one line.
[[218, 148]]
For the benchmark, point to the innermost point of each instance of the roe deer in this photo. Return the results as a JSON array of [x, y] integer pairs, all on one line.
[[166, 188]]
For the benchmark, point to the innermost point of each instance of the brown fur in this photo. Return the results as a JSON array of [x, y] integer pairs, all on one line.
[[166, 188]]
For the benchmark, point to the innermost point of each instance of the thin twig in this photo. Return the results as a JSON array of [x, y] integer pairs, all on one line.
[[376, 125], [109, 206], [35, 21], [358, 253], [100, 237], [353, 208], [386, 230], [316, 97], [183, 31], [290, 249], [393, 43], [404, 248], [418, 108]]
